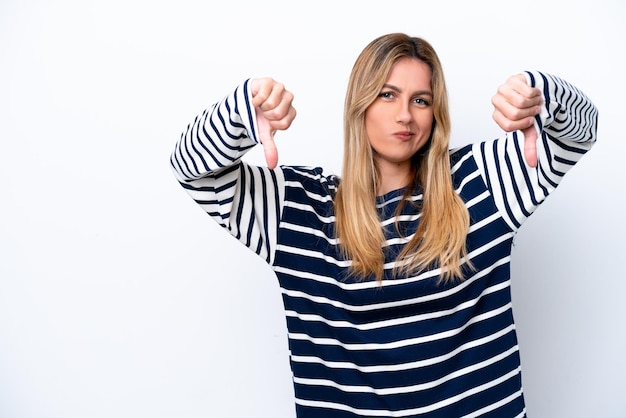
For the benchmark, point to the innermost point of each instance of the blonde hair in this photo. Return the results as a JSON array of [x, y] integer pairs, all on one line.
[[440, 238]]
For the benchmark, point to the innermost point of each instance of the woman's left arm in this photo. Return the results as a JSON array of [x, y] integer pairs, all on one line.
[[551, 124]]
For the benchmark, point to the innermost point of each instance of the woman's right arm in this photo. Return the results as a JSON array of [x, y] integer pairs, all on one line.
[[246, 200]]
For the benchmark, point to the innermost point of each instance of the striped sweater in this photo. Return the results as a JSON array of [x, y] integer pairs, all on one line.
[[410, 346]]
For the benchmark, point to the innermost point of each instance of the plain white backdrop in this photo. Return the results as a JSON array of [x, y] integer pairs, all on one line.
[[120, 298]]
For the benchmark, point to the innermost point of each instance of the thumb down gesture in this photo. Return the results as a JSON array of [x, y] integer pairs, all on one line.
[[274, 111]]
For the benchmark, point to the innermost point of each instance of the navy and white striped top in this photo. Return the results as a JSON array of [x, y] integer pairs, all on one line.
[[410, 346]]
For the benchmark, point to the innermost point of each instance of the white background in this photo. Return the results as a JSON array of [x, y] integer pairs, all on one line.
[[120, 298]]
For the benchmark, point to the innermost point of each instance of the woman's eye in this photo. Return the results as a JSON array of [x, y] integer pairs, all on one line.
[[386, 95], [421, 102]]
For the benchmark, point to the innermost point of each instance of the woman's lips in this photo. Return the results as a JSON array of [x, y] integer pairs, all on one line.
[[403, 135]]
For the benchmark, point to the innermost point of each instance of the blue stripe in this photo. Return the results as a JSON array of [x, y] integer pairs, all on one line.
[[514, 183]]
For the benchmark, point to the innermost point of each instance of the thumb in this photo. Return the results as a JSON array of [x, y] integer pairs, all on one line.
[[266, 137], [530, 145], [270, 150]]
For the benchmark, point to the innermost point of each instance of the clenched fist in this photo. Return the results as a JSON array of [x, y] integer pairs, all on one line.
[[515, 106], [274, 111]]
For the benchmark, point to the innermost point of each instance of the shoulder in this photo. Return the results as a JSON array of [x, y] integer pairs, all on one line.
[[462, 158], [465, 168], [460, 152], [311, 179]]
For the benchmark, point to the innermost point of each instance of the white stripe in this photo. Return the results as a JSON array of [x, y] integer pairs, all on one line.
[[484, 195], [400, 219], [309, 194], [400, 343], [459, 163], [311, 254], [407, 389], [306, 230], [408, 412], [489, 245], [496, 405], [305, 171], [373, 284], [309, 208], [418, 364], [467, 179], [397, 321], [482, 223]]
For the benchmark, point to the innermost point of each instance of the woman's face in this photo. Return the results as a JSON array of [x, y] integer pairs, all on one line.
[[400, 120]]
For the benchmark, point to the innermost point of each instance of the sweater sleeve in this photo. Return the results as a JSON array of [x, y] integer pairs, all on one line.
[[566, 129], [246, 200]]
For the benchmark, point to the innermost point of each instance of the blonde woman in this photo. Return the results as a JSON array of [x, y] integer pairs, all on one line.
[[395, 275]]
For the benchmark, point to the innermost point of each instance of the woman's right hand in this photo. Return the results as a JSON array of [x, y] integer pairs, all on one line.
[[274, 111]]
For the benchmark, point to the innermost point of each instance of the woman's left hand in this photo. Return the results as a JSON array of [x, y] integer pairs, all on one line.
[[515, 106]]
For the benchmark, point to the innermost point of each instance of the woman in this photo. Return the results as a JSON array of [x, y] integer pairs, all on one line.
[[395, 280]]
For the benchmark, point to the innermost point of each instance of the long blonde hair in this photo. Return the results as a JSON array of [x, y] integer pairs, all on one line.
[[440, 238]]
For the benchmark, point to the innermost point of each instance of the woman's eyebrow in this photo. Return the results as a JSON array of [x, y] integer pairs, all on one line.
[[415, 93]]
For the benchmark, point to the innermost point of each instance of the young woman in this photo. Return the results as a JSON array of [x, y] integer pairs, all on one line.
[[395, 276]]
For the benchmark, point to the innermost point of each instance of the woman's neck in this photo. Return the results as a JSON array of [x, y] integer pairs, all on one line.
[[392, 177]]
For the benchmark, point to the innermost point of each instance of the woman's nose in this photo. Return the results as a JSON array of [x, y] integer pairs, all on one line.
[[403, 115]]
